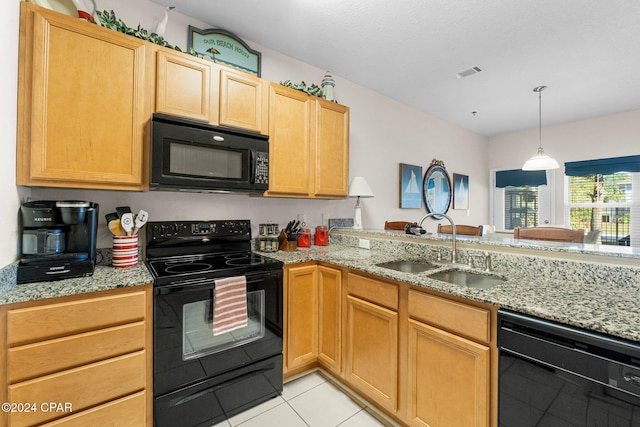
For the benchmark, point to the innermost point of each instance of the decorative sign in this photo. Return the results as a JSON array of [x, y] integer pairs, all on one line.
[[225, 48]]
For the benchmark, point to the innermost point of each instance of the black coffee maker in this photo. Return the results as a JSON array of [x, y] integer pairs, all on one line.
[[57, 240]]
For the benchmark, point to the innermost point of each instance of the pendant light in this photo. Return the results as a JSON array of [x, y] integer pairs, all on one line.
[[540, 161]]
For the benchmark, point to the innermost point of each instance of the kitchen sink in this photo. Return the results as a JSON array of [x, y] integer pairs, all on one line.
[[408, 266], [468, 279]]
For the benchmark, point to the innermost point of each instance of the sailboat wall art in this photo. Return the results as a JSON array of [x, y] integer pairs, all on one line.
[[460, 191], [410, 188]]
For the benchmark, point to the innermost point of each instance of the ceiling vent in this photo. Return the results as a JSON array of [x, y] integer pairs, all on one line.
[[469, 72]]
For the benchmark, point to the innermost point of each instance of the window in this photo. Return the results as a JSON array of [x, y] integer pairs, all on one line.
[[600, 197], [520, 199], [520, 207], [604, 203]]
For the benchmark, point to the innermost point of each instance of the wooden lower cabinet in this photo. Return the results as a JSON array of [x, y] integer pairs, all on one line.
[[371, 339], [423, 358], [329, 323], [372, 351], [313, 296], [301, 311], [90, 355], [448, 379]]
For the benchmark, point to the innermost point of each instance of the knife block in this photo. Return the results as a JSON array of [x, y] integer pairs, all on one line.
[[286, 245]]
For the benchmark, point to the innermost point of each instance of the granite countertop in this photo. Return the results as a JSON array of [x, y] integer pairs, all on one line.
[[104, 278], [588, 295], [607, 308], [500, 240]]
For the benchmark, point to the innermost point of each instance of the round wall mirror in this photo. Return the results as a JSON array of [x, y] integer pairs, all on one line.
[[437, 188]]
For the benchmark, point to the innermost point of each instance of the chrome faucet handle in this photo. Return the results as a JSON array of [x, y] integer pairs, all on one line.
[[487, 261]]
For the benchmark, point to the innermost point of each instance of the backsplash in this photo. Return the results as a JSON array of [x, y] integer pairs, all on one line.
[[543, 266]]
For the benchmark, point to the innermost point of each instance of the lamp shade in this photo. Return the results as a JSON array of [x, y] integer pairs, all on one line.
[[359, 188], [540, 161]]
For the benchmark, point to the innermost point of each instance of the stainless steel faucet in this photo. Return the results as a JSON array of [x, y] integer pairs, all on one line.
[[454, 254]]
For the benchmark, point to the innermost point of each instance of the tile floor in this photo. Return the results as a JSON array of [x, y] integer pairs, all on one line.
[[308, 401]]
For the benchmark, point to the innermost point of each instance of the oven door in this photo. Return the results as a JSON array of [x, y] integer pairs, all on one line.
[[186, 351]]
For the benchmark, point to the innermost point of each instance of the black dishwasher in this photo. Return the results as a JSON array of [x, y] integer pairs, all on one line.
[[552, 374]]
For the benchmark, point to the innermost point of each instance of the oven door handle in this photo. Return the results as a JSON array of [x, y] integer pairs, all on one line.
[[194, 285]]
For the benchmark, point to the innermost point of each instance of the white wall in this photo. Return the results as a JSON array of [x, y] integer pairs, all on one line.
[[384, 133], [600, 137], [9, 193]]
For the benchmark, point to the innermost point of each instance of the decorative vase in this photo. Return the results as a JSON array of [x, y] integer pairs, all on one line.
[[328, 84]]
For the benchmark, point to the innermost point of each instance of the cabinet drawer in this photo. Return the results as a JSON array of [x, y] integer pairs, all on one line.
[[56, 320], [466, 320], [34, 360], [82, 387], [129, 411], [384, 294]]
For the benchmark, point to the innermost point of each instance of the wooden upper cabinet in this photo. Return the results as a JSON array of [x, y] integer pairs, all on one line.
[[187, 86], [203, 90], [83, 104], [244, 101], [331, 149], [309, 145], [290, 124]]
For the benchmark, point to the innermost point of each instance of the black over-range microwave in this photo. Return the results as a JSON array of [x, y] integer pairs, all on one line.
[[191, 155]]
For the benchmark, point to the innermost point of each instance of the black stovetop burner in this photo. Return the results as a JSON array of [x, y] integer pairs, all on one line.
[[185, 250]]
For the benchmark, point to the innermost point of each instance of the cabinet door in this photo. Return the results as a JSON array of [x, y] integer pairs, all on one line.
[[372, 351], [290, 122], [302, 316], [244, 101], [448, 379], [83, 104], [187, 87], [329, 331], [331, 149]]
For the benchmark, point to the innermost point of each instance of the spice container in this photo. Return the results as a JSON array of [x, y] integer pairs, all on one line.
[[267, 241], [322, 236], [304, 240]]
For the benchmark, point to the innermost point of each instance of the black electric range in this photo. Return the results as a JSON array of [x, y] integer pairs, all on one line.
[[200, 378], [180, 250]]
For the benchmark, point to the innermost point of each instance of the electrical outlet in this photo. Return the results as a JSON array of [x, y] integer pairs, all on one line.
[[364, 244]]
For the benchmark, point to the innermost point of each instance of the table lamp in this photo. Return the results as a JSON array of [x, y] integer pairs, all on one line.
[[359, 188]]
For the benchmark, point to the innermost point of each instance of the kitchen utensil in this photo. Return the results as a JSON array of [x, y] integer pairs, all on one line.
[[111, 216], [126, 220], [123, 210], [287, 229], [116, 228], [140, 221]]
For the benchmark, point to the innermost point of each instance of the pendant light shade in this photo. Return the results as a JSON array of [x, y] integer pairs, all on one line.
[[540, 161]]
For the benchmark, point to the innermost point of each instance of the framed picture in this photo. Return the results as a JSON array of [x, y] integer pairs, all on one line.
[[460, 191], [225, 48], [410, 188]]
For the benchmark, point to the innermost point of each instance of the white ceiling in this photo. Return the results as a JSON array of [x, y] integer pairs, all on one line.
[[587, 52]]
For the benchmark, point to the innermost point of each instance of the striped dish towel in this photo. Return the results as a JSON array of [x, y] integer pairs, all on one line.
[[229, 304]]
